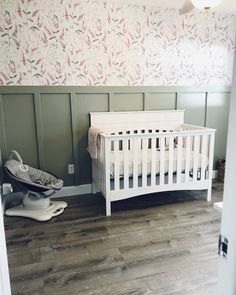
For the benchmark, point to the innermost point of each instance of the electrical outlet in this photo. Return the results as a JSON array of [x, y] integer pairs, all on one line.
[[71, 169]]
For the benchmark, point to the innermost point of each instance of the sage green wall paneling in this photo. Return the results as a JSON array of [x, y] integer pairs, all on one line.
[[19, 124], [57, 135], [194, 105], [3, 148], [161, 101], [94, 102], [217, 117], [22, 108], [127, 102]]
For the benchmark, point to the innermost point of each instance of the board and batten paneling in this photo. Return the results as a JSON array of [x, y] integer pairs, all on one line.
[[88, 102], [57, 147], [18, 126], [161, 101], [49, 125], [194, 105], [217, 117], [127, 102]]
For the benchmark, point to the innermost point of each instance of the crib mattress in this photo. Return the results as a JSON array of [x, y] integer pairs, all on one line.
[[157, 166]]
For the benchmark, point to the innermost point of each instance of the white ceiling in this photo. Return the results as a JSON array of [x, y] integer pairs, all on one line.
[[227, 6]]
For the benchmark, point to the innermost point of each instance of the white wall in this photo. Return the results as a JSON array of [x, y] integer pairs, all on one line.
[[227, 272]]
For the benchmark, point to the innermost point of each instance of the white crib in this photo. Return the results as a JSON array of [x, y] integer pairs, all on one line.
[[146, 152]]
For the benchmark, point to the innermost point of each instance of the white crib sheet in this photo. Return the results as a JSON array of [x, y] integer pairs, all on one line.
[[157, 166]]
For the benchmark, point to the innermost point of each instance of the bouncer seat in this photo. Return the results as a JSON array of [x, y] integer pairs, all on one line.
[[37, 187]]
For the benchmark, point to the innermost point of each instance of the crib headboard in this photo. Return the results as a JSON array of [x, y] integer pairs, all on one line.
[[163, 120]]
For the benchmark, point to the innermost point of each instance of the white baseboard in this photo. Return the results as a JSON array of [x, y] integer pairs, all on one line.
[[87, 189], [74, 190]]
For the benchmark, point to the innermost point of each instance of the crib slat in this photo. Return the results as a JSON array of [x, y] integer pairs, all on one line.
[[126, 163], [116, 164], [153, 161], [203, 154], [195, 157], [167, 141], [144, 162], [170, 168], [187, 158], [179, 158], [211, 154], [135, 163], [162, 160]]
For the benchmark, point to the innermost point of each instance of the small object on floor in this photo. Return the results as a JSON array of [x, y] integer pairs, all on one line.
[[221, 170], [37, 185], [218, 206], [6, 188]]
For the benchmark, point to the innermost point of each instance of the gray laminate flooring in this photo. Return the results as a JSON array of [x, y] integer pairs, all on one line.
[[162, 243]]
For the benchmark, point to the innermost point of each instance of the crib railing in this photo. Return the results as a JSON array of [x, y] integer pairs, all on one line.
[[135, 160]]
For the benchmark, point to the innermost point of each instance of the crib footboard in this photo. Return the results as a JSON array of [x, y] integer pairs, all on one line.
[[137, 162]]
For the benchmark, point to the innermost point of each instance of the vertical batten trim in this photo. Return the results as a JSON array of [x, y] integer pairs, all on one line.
[[145, 101], [176, 100], [75, 134], [3, 145], [206, 106], [39, 127], [110, 101]]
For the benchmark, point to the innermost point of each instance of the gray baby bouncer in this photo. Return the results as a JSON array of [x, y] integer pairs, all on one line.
[[37, 187]]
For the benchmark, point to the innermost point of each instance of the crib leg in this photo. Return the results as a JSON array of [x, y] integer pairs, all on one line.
[[108, 207], [209, 194]]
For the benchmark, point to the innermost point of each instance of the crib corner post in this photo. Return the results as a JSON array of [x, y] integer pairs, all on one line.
[[108, 206], [209, 190], [106, 173], [211, 159]]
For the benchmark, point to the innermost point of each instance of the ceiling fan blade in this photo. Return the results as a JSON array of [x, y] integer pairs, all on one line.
[[187, 7]]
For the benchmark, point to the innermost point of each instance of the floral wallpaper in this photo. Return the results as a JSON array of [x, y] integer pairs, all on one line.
[[95, 42]]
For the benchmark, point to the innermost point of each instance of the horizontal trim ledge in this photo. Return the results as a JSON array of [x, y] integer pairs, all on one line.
[[111, 89]]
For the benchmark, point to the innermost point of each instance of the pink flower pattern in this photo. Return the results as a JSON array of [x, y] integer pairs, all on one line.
[[93, 42]]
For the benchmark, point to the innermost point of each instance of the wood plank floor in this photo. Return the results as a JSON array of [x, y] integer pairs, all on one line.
[[156, 244]]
